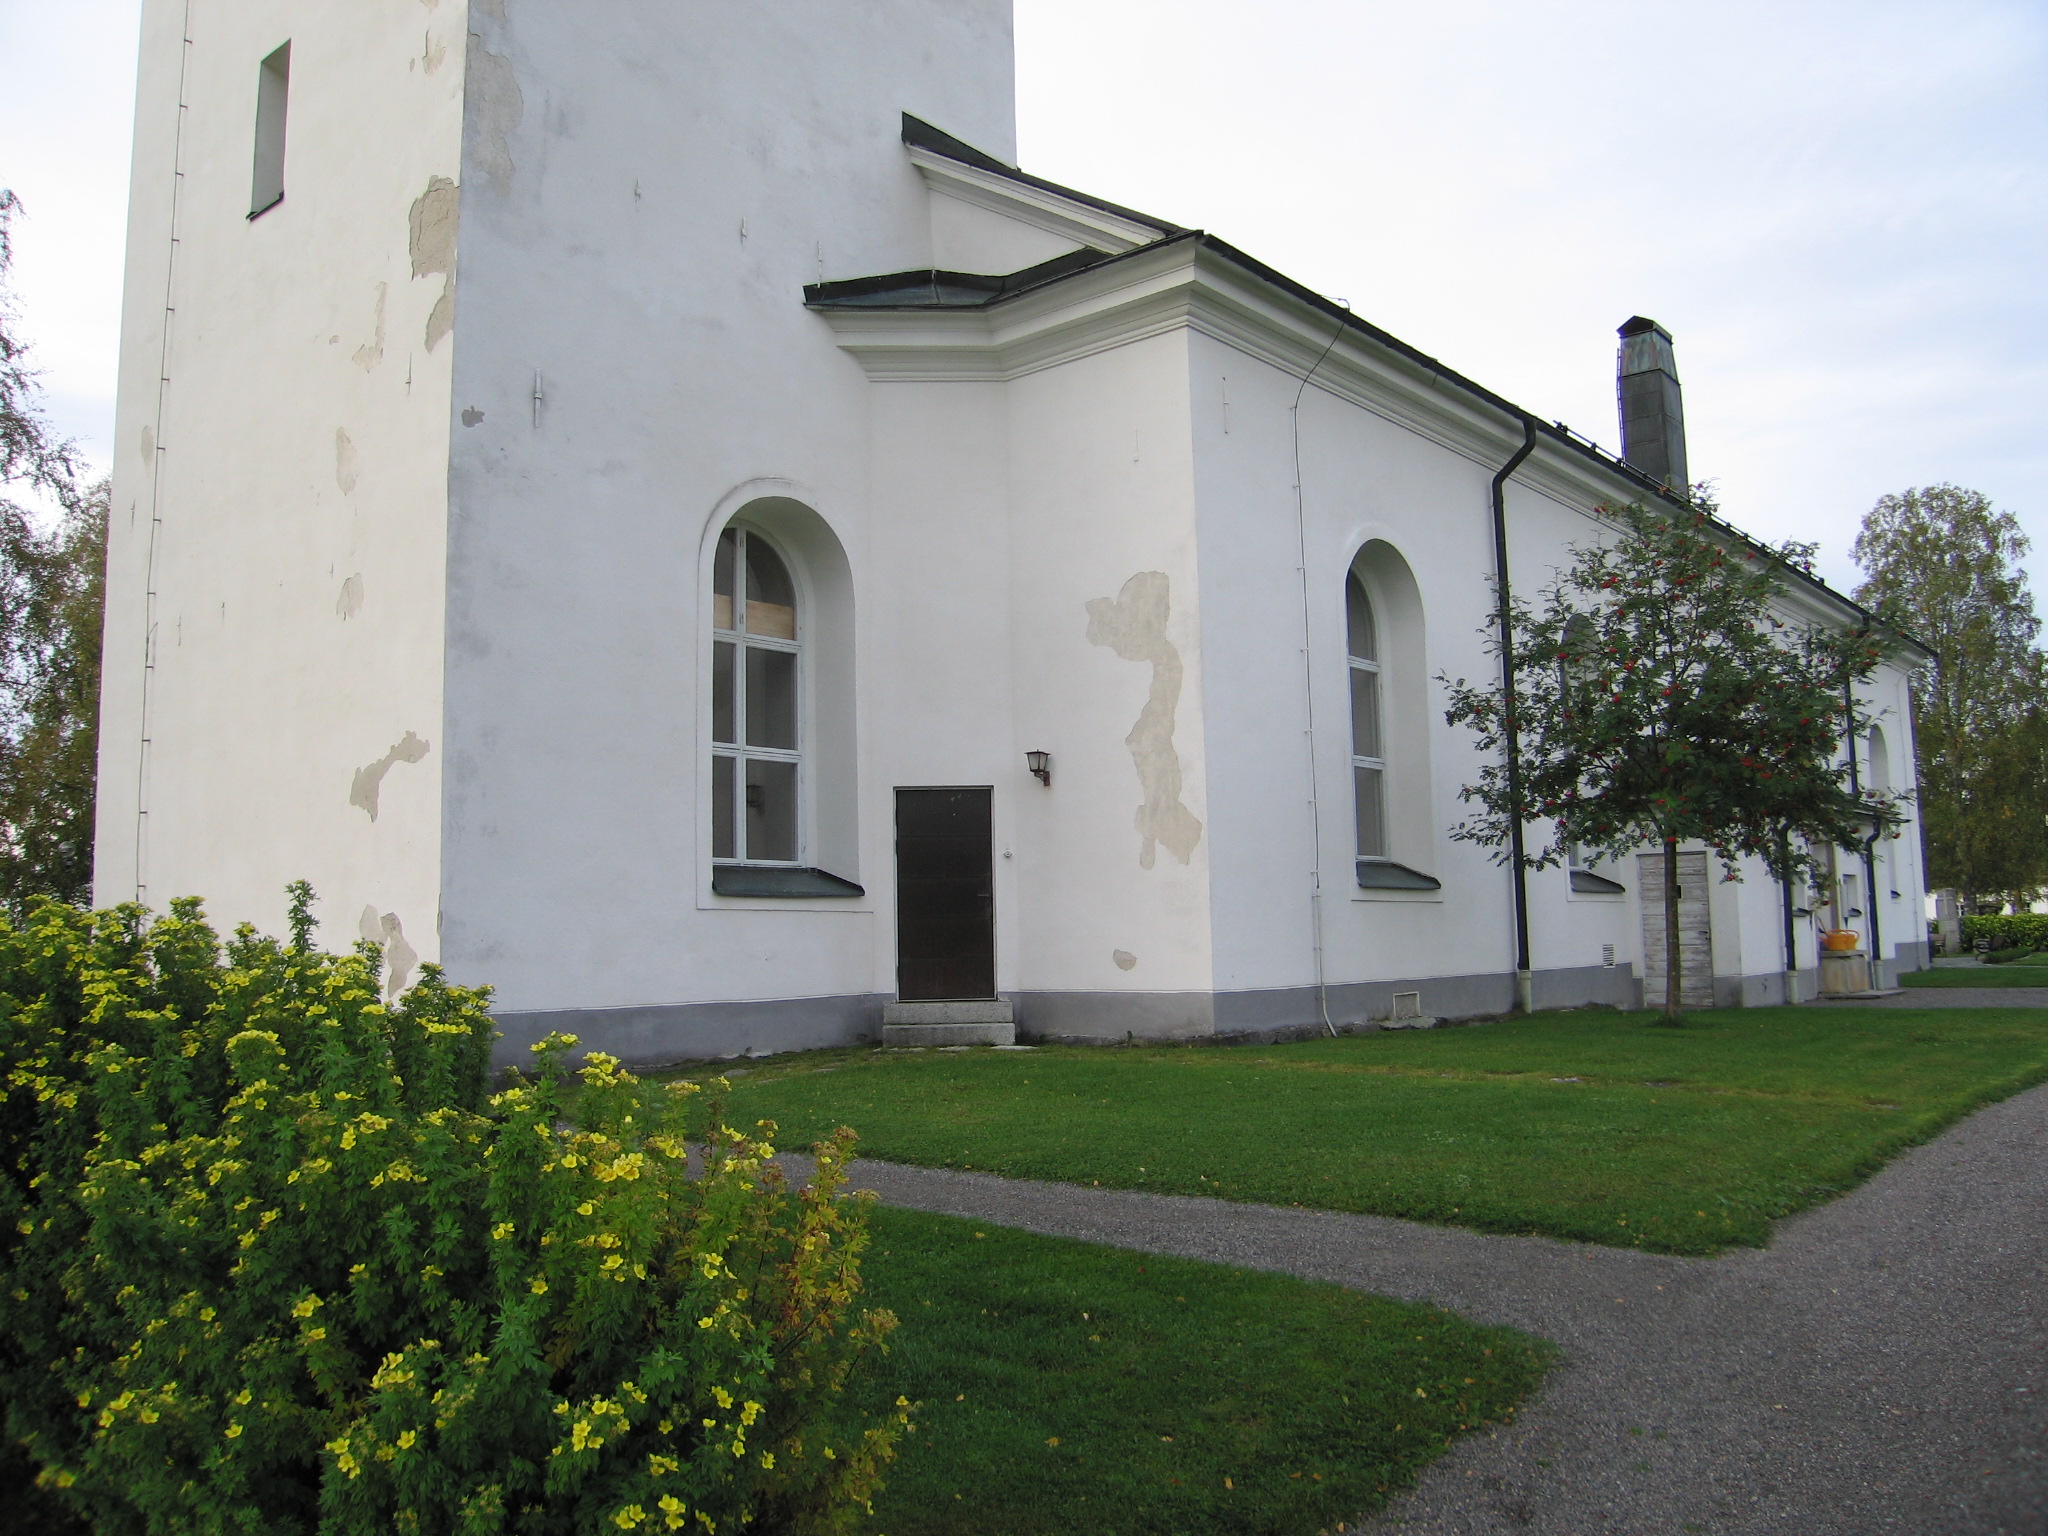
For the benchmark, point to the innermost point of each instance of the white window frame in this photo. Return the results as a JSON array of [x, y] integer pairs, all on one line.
[[737, 750]]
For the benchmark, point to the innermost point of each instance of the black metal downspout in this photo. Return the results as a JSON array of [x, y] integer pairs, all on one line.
[[1869, 843], [1511, 719], [1791, 932]]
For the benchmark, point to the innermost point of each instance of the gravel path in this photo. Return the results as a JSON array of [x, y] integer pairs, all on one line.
[[1952, 997], [1881, 1368]]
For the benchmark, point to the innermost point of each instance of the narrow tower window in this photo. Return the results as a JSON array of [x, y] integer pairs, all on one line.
[[754, 736], [273, 88], [1368, 752]]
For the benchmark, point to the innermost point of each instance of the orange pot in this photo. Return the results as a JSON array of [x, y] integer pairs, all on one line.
[[1840, 938]]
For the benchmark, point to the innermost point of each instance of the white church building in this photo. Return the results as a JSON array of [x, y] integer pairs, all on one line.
[[645, 507]]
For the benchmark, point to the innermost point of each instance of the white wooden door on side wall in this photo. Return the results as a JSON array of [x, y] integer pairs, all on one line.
[[1695, 938]]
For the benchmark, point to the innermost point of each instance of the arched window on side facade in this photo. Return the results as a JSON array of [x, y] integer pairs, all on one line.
[[1368, 739], [1392, 796], [756, 732], [1576, 669]]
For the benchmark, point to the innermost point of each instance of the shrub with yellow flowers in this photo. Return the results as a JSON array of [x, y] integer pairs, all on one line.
[[277, 1258]]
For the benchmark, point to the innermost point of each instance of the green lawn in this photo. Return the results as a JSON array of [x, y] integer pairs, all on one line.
[[1072, 1388], [1593, 1125], [1978, 976]]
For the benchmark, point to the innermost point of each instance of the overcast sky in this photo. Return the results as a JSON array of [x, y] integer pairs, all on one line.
[[1836, 206]]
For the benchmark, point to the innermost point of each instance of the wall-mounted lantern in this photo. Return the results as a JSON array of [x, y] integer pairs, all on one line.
[[1040, 764]]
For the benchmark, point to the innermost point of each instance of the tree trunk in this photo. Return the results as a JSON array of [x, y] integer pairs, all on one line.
[[1673, 979]]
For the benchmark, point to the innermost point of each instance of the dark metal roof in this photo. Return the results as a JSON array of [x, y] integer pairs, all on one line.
[[933, 288], [923, 135], [929, 290]]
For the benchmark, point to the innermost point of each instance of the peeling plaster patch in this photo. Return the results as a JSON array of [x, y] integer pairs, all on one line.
[[148, 443], [1133, 624], [350, 603], [371, 353], [369, 781], [388, 934], [495, 9], [500, 108], [431, 227], [346, 465], [1124, 959], [471, 415], [433, 55]]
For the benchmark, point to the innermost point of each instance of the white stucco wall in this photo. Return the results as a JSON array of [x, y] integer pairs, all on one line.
[[644, 202], [450, 523], [1103, 547], [291, 479]]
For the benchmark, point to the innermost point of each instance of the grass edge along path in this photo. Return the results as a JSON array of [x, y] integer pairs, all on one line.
[[1593, 1126], [1068, 1387]]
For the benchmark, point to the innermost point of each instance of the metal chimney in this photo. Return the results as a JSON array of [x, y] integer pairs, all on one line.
[[1652, 411]]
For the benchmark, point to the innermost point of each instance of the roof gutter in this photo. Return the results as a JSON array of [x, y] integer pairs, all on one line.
[[1556, 433], [1511, 718]]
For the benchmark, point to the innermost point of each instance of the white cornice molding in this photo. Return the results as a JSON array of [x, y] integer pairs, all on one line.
[[1184, 285], [1067, 217]]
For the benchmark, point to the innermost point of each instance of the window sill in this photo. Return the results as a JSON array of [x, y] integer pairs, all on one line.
[[778, 881], [257, 213], [1386, 875]]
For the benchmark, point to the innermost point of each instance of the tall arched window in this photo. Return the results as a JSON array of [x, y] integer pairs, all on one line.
[[1879, 777], [1368, 745], [1392, 790], [756, 739]]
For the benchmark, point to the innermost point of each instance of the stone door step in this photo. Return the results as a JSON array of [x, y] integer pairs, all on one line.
[[977, 1022]]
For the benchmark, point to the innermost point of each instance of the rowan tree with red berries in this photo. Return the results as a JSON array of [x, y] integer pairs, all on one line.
[[1662, 694]]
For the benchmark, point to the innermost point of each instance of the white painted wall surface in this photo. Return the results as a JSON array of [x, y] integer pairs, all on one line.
[[295, 473], [644, 203], [1102, 500], [1009, 533]]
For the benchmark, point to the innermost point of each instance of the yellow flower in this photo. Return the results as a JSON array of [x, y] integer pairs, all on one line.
[[612, 1261], [406, 1438], [316, 1333], [768, 1461], [241, 1397], [307, 1307], [629, 1517], [586, 1207], [661, 1466], [234, 1431], [540, 1286], [501, 1231]]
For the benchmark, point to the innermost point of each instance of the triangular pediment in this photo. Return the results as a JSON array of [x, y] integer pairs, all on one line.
[[992, 217]]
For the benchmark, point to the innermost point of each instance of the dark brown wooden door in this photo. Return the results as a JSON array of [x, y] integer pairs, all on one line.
[[945, 895]]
